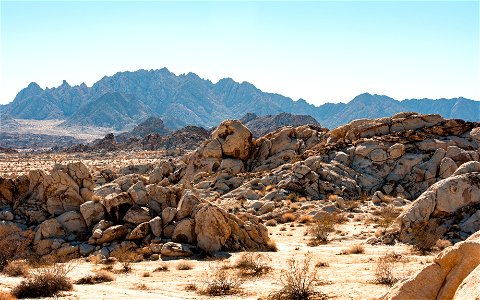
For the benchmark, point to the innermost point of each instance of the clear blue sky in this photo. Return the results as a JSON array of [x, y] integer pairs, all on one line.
[[319, 51]]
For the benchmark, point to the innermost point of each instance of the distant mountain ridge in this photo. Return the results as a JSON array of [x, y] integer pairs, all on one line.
[[125, 99]]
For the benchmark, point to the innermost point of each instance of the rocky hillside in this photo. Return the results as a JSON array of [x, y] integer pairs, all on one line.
[[261, 125], [127, 98], [218, 196]]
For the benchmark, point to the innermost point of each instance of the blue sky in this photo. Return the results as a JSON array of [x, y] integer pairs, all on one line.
[[320, 51]]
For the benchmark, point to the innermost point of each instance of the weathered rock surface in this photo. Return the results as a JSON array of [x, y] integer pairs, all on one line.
[[447, 277]]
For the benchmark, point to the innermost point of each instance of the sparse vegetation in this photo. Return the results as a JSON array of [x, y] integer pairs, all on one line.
[[292, 197], [298, 281], [45, 282], [321, 229], [184, 265], [271, 222], [322, 264], [305, 219], [98, 277], [385, 216], [191, 287], [386, 266], [17, 268], [272, 246], [11, 243], [425, 236], [354, 249], [6, 296], [288, 217], [222, 282], [253, 264], [163, 267]]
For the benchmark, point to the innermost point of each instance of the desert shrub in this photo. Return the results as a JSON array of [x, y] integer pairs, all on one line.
[[352, 205], [253, 264], [292, 197], [163, 267], [425, 235], [140, 286], [11, 243], [386, 267], [146, 274], [17, 268], [191, 287], [125, 257], [44, 282], [305, 219], [97, 277], [6, 296], [272, 246], [322, 264], [298, 281], [271, 222], [184, 265], [222, 282], [321, 229], [442, 244], [288, 217], [386, 215], [354, 249]]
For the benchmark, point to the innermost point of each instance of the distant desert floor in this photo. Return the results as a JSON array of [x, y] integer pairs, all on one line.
[[51, 127], [12, 165], [345, 276]]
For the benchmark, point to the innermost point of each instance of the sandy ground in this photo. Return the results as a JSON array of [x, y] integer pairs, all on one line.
[[346, 276], [50, 127], [12, 165]]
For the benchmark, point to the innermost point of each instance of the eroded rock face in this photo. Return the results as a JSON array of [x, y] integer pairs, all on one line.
[[442, 199], [447, 277], [234, 138], [211, 228]]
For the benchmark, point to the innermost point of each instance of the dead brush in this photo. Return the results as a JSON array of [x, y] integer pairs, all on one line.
[[287, 217], [253, 264], [221, 282], [321, 229], [385, 216], [45, 282], [17, 268], [184, 265], [125, 257], [425, 236], [7, 296], [12, 243], [163, 267], [354, 249], [386, 268], [98, 277], [298, 281]]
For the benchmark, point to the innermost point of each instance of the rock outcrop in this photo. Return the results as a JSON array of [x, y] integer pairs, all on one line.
[[453, 274]]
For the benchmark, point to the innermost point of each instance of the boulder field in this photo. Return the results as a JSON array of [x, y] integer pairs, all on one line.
[[176, 206]]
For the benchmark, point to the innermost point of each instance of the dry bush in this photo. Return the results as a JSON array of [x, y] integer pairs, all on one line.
[[191, 287], [184, 265], [386, 267], [11, 243], [95, 259], [441, 244], [288, 217], [125, 257], [321, 229], [354, 249], [97, 277], [305, 219], [272, 246], [425, 235], [222, 282], [140, 286], [45, 282], [146, 274], [162, 268], [6, 296], [271, 222], [292, 197], [386, 215], [253, 264], [17, 268], [298, 281], [322, 264], [352, 205]]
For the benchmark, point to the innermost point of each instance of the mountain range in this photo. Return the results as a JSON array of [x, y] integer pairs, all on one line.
[[127, 98]]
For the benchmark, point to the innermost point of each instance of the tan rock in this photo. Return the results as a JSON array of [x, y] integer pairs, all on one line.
[[117, 205], [235, 139], [186, 205], [211, 228], [139, 232], [172, 249], [92, 212], [184, 232], [72, 221]]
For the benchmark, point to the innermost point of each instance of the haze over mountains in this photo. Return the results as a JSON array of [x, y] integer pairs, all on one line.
[[128, 98]]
